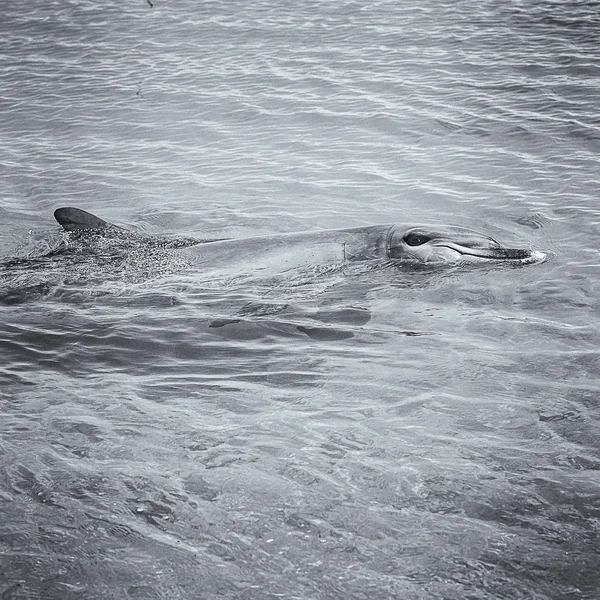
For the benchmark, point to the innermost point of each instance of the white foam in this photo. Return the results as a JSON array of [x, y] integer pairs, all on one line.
[[535, 257]]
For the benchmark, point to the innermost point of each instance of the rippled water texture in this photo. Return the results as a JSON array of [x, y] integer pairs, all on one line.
[[180, 430]]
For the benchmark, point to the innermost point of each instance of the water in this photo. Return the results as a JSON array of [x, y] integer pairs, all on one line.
[[324, 433]]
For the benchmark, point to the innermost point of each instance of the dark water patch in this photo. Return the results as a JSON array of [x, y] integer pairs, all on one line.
[[249, 310], [325, 333], [26, 482], [533, 221]]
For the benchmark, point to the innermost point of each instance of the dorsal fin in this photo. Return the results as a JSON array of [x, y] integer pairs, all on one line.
[[75, 219]]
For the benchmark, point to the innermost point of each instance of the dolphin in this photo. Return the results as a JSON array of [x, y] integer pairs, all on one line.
[[284, 251]]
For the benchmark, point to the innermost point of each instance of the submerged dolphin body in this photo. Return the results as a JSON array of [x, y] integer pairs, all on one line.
[[281, 252]]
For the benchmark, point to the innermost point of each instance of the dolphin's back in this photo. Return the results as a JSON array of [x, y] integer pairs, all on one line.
[[273, 254]]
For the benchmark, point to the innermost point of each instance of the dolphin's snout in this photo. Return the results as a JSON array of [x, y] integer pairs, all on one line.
[[511, 253]]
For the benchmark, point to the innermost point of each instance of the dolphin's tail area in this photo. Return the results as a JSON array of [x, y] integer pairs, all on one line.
[[75, 219]]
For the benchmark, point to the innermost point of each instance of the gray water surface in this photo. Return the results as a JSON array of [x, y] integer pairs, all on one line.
[[326, 432]]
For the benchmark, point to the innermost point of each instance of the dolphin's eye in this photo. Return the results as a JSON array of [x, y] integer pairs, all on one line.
[[415, 239]]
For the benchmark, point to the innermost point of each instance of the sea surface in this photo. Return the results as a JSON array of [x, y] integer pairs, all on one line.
[[326, 433]]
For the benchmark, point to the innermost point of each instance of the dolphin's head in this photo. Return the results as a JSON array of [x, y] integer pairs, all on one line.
[[453, 244]]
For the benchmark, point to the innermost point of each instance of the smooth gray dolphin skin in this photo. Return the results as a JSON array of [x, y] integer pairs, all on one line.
[[281, 252]]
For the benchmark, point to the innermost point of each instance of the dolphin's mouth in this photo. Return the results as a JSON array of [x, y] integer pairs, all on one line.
[[497, 253]]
